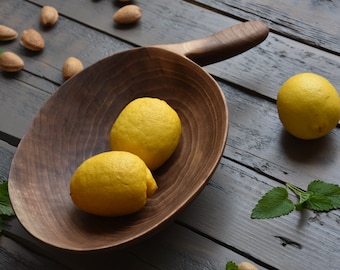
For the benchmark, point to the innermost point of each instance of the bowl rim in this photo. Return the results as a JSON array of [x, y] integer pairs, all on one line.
[[171, 215]]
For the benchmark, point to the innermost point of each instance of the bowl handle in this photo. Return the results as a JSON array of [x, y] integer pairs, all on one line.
[[223, 44]]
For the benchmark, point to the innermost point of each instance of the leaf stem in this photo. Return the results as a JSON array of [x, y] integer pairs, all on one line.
[[296, 190]]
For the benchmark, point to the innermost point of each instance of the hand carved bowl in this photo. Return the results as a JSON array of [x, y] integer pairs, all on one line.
[[74, 125]]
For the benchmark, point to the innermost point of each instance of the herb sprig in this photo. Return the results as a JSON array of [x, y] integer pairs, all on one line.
[[231, 266], [6, 209], [320, 196]]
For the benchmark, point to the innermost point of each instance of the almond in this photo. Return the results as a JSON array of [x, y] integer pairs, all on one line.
[[246, 266], [127, 14], [11, 62], [32, 40], [7, 33], [71, 67], [48, 16]]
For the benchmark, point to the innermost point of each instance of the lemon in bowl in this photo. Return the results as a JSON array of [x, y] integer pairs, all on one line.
[[308, 106], [112, 184], [149, 128]]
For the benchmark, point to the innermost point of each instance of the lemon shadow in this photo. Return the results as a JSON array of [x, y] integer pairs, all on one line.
[[308, 150]]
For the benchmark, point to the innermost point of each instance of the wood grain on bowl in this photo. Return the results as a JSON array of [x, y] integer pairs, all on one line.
[[74, 125]]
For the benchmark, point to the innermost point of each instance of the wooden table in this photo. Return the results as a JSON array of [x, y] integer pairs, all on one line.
[[216, 227]]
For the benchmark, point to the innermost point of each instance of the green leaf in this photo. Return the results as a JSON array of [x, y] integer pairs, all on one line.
[[274, 203], [331, 191], [231, 266], [1, 51], [319, 202], [5, 203], [304, 196]]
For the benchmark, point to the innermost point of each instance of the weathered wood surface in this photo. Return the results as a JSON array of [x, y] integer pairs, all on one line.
[[14, 256], [247, 127], [220, 212], [176, 247], [283, 56], [216, 227], [312, 22]]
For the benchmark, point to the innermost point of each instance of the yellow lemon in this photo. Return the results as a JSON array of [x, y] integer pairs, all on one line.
[[149, 128], [308, 106], [113, 183]]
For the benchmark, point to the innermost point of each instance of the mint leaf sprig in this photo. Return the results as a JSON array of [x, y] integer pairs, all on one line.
[[231, 266], [6, 209], [320, 196]]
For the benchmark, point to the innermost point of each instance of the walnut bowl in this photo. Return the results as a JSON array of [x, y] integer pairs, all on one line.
[[74, 125]]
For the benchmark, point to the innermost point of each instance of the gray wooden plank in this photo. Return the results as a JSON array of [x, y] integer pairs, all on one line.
[[175, 247], [274, 61], [14, 256], [313, 22], [20, 101], [301, 240], [257, 139], [266, 67], [6, 156], [63, 40]]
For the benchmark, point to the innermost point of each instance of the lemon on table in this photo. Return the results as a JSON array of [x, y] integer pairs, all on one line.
[[149, 128], [113, 183], [308, 106]]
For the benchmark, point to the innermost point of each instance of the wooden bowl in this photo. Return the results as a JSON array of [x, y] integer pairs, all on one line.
[[74, 125]]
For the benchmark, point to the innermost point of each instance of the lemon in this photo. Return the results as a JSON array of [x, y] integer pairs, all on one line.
[[308, 106], [113, 183], [149, 128]]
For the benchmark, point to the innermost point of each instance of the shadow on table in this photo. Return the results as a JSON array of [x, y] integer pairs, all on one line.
[[299, 150]]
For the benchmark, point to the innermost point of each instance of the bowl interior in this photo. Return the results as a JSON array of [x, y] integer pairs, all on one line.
[[74, 124]]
